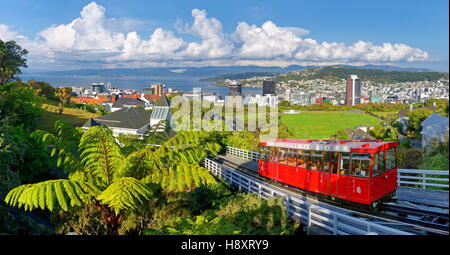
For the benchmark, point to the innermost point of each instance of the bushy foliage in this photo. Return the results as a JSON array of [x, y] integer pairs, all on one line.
[[416, 117], [43, 89], [244, 140], [19, 104], [240, 214], [386, 133], [408, 158]]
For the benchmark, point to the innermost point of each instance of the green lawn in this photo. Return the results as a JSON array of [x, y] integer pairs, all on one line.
[[76, 117], [321, 125]]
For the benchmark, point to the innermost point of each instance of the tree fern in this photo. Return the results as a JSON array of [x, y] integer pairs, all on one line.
[[125, 193], [100, 153]]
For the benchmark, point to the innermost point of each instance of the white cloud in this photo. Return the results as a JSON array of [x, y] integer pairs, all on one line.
[[215, 43], [94, 38], [87, 32], [161, 45], [267, 41]]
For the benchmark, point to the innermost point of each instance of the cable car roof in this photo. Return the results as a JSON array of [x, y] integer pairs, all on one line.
[[331, 145]]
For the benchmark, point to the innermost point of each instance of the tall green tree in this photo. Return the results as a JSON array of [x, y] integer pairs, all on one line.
[[11, 60]]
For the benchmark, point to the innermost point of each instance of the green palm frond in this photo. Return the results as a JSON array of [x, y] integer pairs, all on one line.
[[125, 193], [48, 194], [100, 154]]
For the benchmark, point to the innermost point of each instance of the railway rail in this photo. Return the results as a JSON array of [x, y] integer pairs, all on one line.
[[419, 220]]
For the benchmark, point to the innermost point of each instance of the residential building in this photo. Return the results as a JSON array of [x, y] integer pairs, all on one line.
[[134, 121], [125, 102]]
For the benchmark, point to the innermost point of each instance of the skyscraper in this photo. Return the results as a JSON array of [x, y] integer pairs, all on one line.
[[353, 91], [268, 87], [158, 89]]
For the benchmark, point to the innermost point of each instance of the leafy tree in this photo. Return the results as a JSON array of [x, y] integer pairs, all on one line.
[[387, 133], [340, 135], [43, 89], [64, 96], [19, 104], [11, 59], [416, 117]]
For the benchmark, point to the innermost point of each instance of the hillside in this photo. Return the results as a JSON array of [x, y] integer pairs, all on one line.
[[338, 73], [76, 117], [239, 76]]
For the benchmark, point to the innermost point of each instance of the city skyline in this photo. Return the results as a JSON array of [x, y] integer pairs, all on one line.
[[107, 34]]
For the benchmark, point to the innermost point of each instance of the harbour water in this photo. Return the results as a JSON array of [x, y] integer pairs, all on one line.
[[137, 83]]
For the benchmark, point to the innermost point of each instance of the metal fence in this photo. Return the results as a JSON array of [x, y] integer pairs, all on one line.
[[243, 153], [299, 208], [406, 177], [424, 178]]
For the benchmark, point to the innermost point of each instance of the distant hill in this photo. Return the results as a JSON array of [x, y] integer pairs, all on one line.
[[375, 75], [239, 76], [199, 72]]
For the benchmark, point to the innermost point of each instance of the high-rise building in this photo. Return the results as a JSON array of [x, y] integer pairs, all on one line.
[[98, 87], [157, 89], [235, 89], [268, 87], [353, 91]]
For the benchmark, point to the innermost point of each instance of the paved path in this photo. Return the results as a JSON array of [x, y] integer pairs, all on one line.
[[417, 195]]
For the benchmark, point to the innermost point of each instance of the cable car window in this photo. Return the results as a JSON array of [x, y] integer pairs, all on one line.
[[330, 162], [282, 156], [273, 153], [390, 159], [263, 152], [345, 164], [303, 157], [326, 162], [378, 166], [292, 157], [360, 164], [315, 161]]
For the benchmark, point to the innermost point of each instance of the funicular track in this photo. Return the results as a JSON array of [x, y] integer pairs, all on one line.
[[433, 221]]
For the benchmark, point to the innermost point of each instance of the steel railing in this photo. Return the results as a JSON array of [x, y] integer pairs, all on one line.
[[406, 177], [299, 208], [423, 178]]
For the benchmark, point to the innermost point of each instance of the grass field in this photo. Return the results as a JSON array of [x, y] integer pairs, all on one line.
[[321, 125], [76, 117]]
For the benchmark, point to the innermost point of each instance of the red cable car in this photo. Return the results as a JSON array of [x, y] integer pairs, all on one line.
[[364, 172]]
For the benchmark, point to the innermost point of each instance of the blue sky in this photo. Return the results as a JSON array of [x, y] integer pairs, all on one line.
[[137, 33]]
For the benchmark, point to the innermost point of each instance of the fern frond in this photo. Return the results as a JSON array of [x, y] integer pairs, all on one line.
[[125, 193], [45, 195], [101, 154]]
